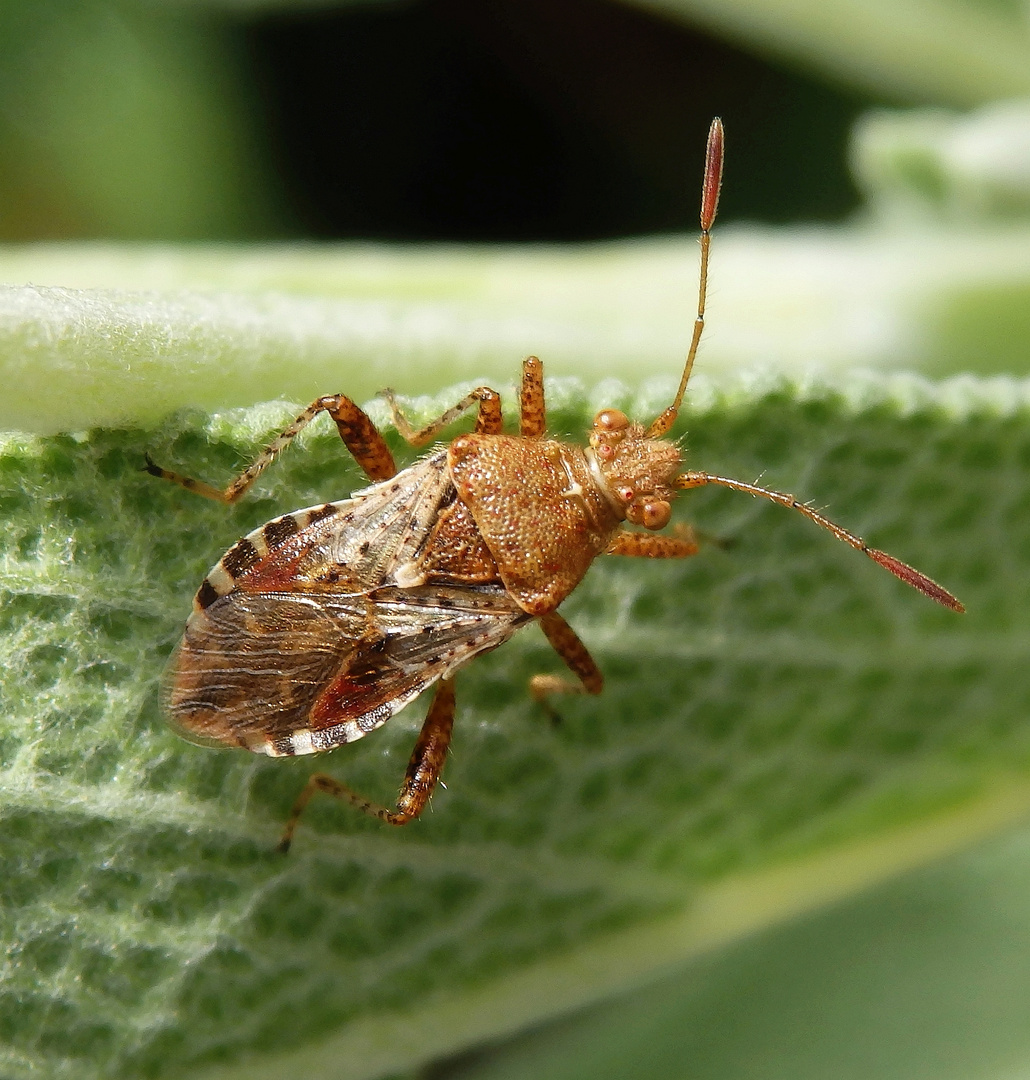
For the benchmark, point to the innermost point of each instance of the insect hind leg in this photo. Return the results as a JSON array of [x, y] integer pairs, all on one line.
[[187, 482], [567, 645], [424, 769], [359, 435]]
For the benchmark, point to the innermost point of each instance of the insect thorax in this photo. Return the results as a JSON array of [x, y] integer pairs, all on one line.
[[539, 511]]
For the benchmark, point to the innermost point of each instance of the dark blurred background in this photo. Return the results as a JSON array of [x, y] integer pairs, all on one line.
[[532, 120], [520, 120]]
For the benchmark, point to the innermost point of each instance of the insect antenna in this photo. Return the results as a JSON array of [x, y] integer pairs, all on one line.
[[908, 574], [710, 187]]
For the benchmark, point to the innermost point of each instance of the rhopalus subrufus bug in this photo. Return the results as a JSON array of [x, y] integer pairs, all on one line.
[[316, 628]]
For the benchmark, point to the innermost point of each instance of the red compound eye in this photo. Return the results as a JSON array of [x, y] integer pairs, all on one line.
[[611, 420], [655, 515]]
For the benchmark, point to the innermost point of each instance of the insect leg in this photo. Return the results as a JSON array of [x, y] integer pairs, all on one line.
[[532, 417], [424, 768], [649, 546], [356, 429], [567, 645], [488, 420]]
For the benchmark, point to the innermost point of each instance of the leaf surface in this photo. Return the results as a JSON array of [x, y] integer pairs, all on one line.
[[782, 724]]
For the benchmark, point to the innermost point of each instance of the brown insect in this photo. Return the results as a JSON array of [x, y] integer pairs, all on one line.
[[315, 629]]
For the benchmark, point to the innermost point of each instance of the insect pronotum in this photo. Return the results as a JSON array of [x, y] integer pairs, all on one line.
[[315, 629]]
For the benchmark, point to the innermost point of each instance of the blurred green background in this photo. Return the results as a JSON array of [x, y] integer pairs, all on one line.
[[881, 148]]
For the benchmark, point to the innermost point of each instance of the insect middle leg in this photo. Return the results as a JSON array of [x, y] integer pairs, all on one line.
[[489, 420], [567, 645], [356, 429], [424, 768]]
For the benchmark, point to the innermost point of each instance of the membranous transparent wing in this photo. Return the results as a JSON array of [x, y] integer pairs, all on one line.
[[290, 674], [384, 528]]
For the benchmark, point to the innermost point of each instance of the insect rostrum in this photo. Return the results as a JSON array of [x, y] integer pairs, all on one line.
[[315, 629]]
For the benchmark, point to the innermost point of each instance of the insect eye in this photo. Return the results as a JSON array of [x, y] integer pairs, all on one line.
[[655, 515], [611, 420]]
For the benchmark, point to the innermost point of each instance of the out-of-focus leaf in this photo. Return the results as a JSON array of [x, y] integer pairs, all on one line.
[[954, 52], [121, 119], [926, 166], [144, 330], [925, 978]]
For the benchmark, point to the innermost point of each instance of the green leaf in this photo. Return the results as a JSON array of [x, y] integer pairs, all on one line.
[[958, 52], [111, 334], [783, 723], [927, 165], [927, 977]]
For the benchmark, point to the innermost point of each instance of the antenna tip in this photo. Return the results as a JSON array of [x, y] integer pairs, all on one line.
[[909, 575], [713, 174]]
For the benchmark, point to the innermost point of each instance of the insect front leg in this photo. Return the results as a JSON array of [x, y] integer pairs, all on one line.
[[353, 423], [424, 768], [649, 546], [489, 420], [567, 645]]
